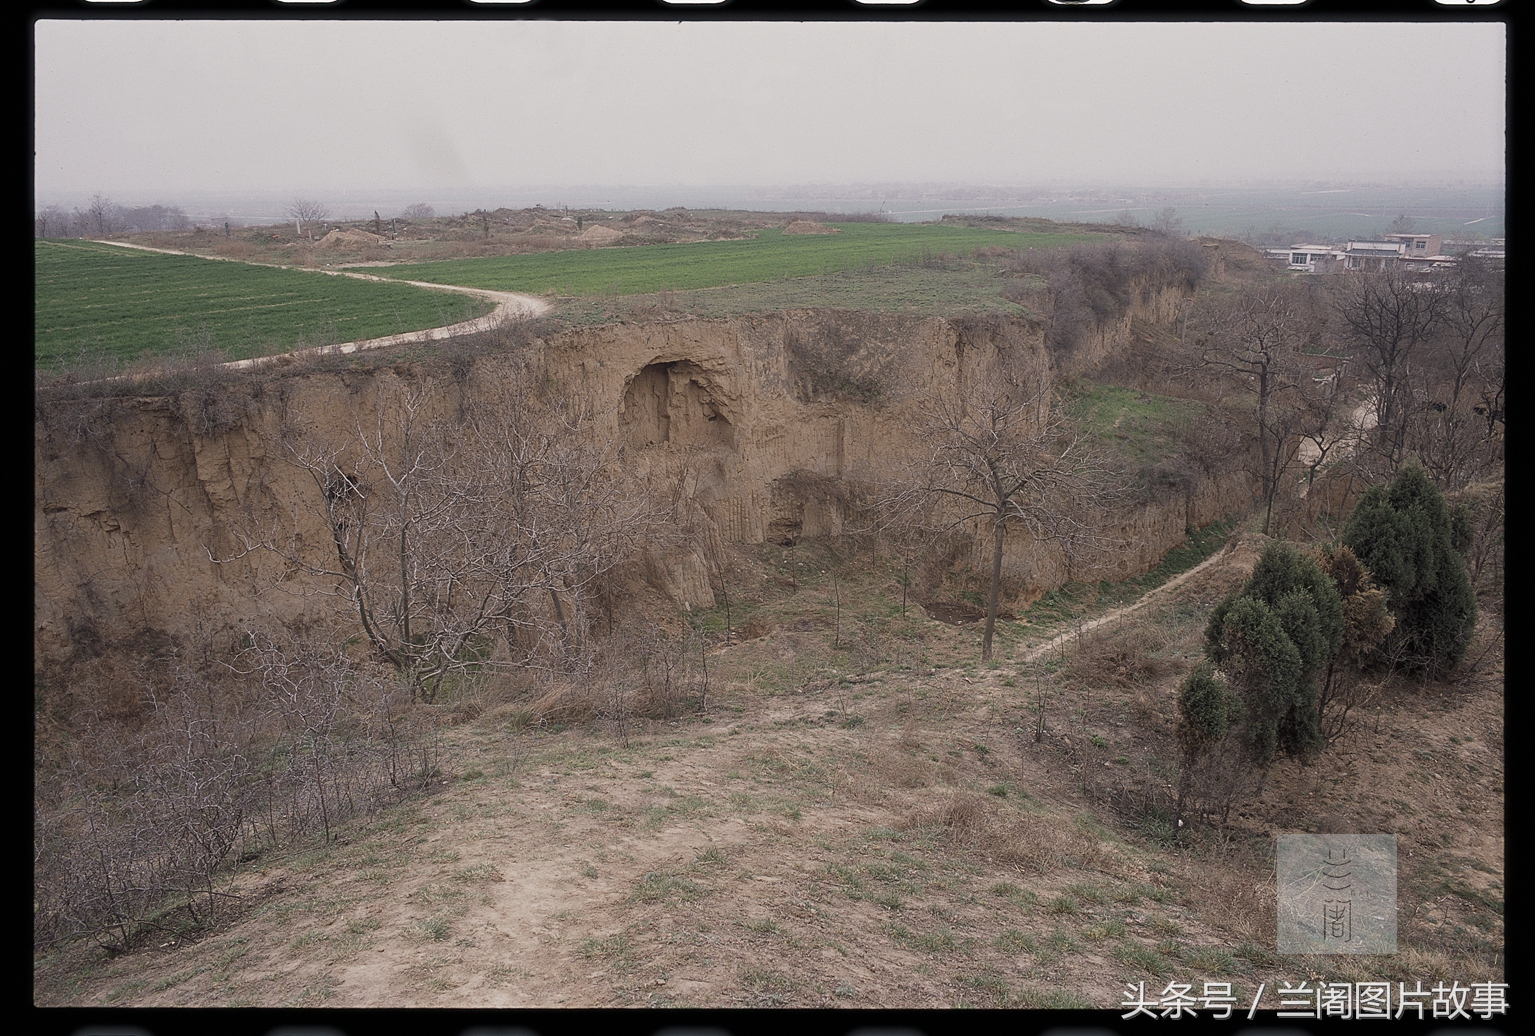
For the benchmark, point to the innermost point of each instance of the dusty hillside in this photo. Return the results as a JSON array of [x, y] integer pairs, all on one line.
[[866, 825]]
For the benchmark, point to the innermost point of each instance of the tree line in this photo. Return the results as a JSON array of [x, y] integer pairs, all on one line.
[[102, 216]]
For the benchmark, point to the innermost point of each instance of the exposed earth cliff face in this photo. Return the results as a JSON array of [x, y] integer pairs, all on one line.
[[756, 422]]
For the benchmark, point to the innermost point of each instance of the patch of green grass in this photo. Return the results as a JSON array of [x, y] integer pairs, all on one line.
[[1014, 941], [662, 887], [168, 981], [613, 948], [991, 986], [1065, 905], [1142, 960], [1138, 424], [363, 925], [678, 808], [1257, 955], [127, 990], [762, 926], [479, 873], [1210, 960], [710, 859], [1052, 999], [1087, 893], [433, 893], [1110, 929], [437, 929], [226, 953], [1059, 942], [124, 302], [1015, 895], [763, 980]]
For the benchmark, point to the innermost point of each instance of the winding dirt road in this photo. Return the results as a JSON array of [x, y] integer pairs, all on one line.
[[509, 306]]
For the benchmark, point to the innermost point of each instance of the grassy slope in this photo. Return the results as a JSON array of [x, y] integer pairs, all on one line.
[[124, 303], [769, 257]]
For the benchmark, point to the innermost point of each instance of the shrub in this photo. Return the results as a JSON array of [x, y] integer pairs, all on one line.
[[1366, 624], [1273, 638], [1206, 710], [1411, 543]]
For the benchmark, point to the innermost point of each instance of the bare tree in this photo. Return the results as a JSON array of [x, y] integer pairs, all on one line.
[[1461, 379], [419, 210], [307, 210], [1255, 338], [100, 217], [1167, 221], [54, 218], [1000, 456], [1388, 318], [465, 532]]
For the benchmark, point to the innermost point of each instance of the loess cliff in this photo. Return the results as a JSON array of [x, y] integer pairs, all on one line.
[[759, 426]]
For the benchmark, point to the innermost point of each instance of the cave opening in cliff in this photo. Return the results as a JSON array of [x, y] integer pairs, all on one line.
[[674, 402]]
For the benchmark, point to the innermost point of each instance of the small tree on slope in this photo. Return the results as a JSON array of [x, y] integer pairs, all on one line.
[[1257, 695], [1411, 543]]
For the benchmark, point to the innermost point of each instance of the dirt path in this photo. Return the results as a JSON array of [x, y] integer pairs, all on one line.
[[509, 306], [1119, 613]]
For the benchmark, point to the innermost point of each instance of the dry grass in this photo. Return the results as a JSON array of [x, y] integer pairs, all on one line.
[[1028, 843], [901, 768], [1241, 894], [1125, 655]]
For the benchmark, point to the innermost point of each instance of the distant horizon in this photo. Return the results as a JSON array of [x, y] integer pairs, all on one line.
[[622, 197], [696, 109]]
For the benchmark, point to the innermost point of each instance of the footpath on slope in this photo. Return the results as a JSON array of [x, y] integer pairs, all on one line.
[[1055, 642], [509, 306]]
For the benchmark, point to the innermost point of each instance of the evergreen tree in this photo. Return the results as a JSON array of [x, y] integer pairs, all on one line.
[[1272, 639], [1410, 543], [1207, 708]]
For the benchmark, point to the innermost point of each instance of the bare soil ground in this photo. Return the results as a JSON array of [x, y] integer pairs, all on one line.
[[867, 825], [498, 232]]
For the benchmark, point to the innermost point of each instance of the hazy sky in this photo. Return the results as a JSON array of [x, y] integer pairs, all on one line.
[[134, 107]]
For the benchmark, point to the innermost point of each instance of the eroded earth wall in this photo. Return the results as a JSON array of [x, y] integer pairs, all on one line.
[[144, 507]]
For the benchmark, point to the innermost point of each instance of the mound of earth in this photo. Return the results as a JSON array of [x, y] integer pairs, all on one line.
[[349, 239], [600, 235], [805, 226]]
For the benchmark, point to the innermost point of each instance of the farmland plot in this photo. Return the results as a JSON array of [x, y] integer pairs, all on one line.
[[120, 303], [708, 264]]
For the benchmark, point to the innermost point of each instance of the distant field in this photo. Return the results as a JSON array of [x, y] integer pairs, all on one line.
[[944, 288], [124, 303], [771, 256]]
